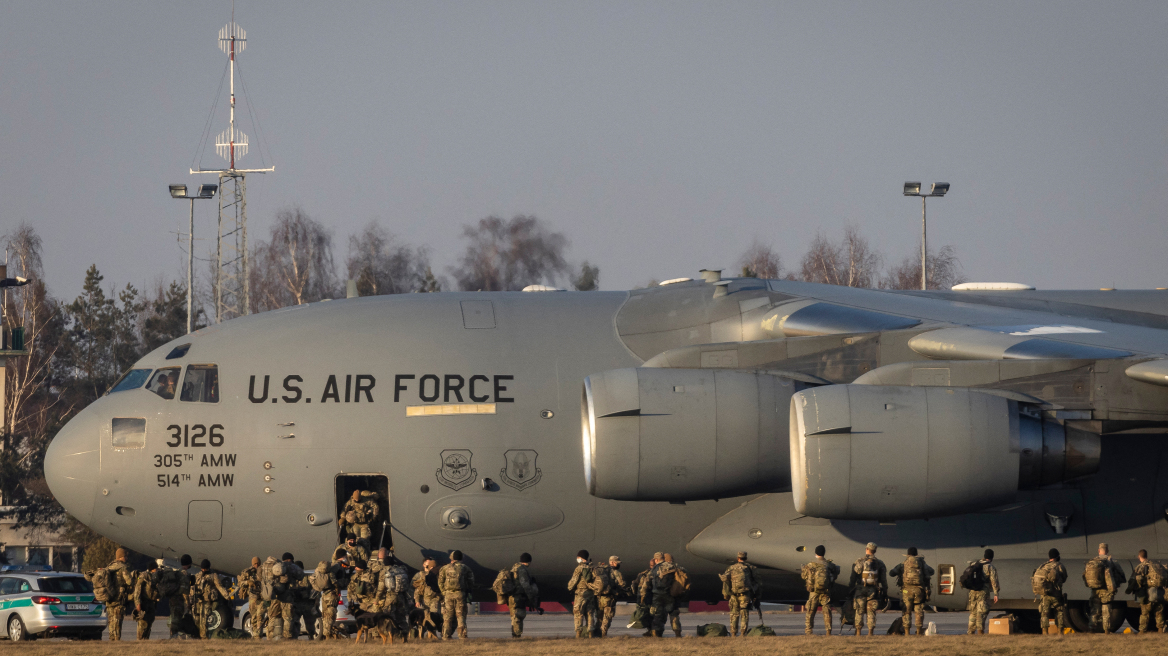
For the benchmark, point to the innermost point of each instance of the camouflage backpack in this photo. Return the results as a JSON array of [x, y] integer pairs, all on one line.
[[738, 583], [912, 574], [396, 580], [680, 585], [105, 585], [1095, 574], [602, 580], [727, 590], [320, 577], [817, 577], [268, 578], [1156, 575], [1042, 582], [866, 568], [504, 585]]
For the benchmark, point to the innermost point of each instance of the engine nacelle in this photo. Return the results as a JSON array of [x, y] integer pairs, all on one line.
[[685, 434], [885, 453]]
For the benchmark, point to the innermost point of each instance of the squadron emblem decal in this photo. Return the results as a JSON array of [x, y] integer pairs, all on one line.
[[456, 472], [520, 472]]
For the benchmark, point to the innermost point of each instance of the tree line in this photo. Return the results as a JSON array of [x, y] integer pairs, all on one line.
[[79, 348]]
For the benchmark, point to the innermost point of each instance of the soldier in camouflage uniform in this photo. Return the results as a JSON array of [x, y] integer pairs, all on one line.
[[334, 581], [360, 511], [393, 585], [654, 593], [524, 596], [606, 599], [912, 577], [980, 600], [362, 590], [1147, 583], [146, 599], [249, 589], [678, 601], [1101, 597], [741, 588], [584, 604], [280, 605], [353, 551], [305, 605], [456, 582], [210, 595], [178, 584], [1052, 601], [427, 596], [115, 608], [869, 583], [638, 584], [819, 576]]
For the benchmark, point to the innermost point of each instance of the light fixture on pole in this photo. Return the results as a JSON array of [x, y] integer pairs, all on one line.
[[914, 189], [206, 191]]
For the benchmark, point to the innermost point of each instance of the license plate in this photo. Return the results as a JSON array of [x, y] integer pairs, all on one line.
[[70, 607]]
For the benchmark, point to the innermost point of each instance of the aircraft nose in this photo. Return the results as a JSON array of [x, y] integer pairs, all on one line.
[[72, 464]]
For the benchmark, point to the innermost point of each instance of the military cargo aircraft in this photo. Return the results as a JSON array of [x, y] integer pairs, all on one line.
[[700, 417]]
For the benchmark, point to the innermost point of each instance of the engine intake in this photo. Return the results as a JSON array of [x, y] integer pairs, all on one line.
[[685, 434], [883, 452]]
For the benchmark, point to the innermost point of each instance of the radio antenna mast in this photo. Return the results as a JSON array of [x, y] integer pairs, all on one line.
[[231, 278]]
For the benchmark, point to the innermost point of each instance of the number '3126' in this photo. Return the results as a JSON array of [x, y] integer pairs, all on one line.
[[195, 435]]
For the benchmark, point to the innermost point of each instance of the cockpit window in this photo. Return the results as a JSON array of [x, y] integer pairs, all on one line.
[[131, 380], [164, 382], [201, 384]]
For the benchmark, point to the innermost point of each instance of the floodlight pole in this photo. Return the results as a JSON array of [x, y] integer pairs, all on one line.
[[190, 266], [924, 251], [914, 189]]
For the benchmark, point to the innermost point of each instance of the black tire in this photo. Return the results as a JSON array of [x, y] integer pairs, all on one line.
[[91, 635], [1079, 617], [16, 630], [246, 620], [216, 621], [1132, 615], [1027, 621]]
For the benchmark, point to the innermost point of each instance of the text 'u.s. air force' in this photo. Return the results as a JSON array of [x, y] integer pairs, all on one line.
[[359, 388]]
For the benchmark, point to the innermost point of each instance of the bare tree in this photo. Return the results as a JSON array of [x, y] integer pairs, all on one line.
[[851, 262], [295, 265], [509, 255], [380, 265], [944, 271], [761, 261]]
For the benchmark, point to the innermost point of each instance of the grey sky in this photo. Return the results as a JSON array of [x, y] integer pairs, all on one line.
[[660, 137]]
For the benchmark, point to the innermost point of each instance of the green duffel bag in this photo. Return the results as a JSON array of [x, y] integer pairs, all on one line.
[[714, 630], [760, 630], [640, 615]]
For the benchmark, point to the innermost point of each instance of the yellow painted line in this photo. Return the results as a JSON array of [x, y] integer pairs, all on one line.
[[448, 409]]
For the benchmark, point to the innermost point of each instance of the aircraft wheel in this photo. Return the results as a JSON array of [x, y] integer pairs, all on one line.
[[1028, 621], [1132, 615], [1079, 617]]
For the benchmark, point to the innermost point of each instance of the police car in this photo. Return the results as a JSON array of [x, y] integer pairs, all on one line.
[[44, 604]]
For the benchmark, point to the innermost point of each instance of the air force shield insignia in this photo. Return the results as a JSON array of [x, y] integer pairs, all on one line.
[[520, 472], [456, 472]]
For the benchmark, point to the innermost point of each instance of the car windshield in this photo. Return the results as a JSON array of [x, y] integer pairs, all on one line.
[[164, 382], [64, 584], [131, 380]]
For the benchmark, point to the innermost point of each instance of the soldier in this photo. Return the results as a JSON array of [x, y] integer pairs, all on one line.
[[819, 575], [1147, 584], [378, 564], [392, 589], [654, 593], [176, 586], [982, 584], [280, 601], [608, 583], [740, 587], [249, 588], [355, 551], [210, 595], [427, 596], [1047, 582], [306, 605], [360, 511], [329, 579], [1103, 576], [146, 599], [638, 585], [456, 582], [682, 576], [584, 604], [118, 582], [869, 583], [912, 577], [524, 596]]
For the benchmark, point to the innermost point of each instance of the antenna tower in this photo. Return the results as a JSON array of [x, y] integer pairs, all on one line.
[[231, 279]]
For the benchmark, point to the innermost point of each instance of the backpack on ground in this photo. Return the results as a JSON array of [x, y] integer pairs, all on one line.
[[640, 615], [1095, 574], [713, 630], [602, 581], [911, 574], [973, 578], [105, 585], [504, 585], [680, 585], [320, 577], [760, 631]]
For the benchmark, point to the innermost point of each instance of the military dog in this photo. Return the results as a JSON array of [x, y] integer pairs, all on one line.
[[423, 621]]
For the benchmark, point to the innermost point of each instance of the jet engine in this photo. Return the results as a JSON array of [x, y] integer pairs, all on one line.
[[685, 434], [883, 452]]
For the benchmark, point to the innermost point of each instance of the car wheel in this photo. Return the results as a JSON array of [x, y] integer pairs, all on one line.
[[214, 621], [16, 630], [246, 619]]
